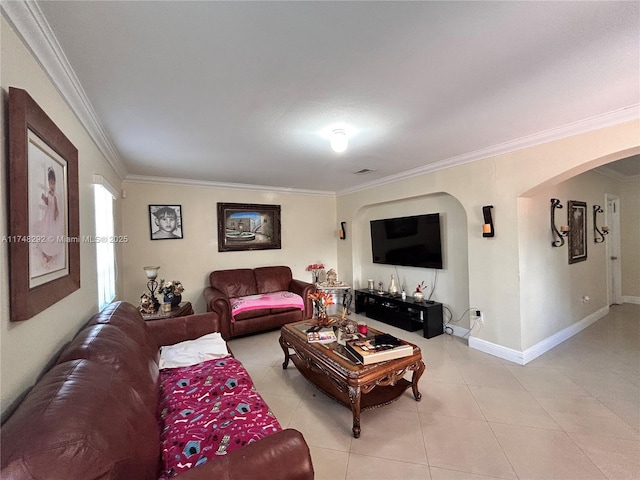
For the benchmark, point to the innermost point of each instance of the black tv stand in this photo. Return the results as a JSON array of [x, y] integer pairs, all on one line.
[[405, 314]]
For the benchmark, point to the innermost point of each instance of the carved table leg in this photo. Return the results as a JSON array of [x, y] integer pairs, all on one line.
[[285, 349], [354, 398], [417, 373]]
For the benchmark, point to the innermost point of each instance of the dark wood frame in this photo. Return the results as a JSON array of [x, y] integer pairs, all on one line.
[[25, 115], [577, 239], [153, 209], [267, 212]]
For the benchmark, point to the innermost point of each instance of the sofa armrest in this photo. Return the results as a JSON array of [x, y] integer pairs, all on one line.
[[304, 289], [283, 455], [169, 331], [218, 303]]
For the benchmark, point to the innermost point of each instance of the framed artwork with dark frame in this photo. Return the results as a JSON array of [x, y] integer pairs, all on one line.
[[577, 239], [245, 226], [165, 222], [44, 226]]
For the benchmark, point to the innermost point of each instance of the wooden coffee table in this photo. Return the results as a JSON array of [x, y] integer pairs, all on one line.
[[359, 387]]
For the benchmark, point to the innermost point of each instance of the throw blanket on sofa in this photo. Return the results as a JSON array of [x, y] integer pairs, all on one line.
[[207, 410], [265, 300]]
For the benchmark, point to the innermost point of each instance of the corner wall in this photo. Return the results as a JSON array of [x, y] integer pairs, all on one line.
[[552, 290], [494, 264], [308, 223], [26, 347]]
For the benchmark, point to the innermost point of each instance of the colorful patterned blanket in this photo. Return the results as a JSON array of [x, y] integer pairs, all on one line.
[[206, 410], [265, 300]]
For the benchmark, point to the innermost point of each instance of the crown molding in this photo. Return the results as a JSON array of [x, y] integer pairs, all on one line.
[[230, 186], [31, 25], [615, 117]]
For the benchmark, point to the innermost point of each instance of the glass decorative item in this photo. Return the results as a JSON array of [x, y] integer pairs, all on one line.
[[393, 286]]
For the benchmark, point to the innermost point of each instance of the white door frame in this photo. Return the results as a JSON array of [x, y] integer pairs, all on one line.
[[613, 251]]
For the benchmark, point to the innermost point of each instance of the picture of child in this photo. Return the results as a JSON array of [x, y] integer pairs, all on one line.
[[47, 254], [51, 223], [166, 222]]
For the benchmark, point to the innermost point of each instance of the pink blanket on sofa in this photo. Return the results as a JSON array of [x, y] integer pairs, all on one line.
[[207, 410], [265, 300]]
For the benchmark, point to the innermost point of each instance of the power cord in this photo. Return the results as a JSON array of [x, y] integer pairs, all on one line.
[[435, 281], [451, 320]]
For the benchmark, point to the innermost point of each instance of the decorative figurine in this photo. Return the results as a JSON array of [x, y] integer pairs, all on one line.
[[146, 304]]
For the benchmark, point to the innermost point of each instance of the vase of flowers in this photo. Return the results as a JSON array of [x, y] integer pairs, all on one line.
[[315, 268], [320, 303], [172, 291], [418, 295]]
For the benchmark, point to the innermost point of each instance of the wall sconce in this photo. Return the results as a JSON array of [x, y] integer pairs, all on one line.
[[342, 233], [487, 227], [152, 284], [598, 233], [564, 229]]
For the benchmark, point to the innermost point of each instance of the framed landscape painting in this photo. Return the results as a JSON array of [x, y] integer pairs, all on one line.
[[245, 226]]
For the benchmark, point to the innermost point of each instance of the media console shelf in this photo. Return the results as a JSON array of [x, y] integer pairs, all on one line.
[[405, 314]]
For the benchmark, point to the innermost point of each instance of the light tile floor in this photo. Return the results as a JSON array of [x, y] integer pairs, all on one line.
[[572, 413]]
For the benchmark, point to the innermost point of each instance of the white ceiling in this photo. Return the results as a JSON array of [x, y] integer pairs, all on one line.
[[240, 92]]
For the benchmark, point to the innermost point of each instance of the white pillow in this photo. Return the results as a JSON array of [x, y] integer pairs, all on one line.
[[192, 352]]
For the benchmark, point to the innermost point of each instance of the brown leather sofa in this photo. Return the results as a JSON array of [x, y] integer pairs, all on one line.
[[226, 284], [93, 414]]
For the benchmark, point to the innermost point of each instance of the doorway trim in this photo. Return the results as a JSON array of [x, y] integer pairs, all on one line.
[[613, 251]]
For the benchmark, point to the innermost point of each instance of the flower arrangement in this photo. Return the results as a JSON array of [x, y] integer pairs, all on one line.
[[421, 286], [315, 269], [321, 301], [315, 266], [170, 289]]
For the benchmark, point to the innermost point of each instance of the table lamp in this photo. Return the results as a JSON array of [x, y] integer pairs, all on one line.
[[152, 284]]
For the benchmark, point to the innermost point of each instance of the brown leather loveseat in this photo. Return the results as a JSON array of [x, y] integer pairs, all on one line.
[[93, 415], [243, 282]]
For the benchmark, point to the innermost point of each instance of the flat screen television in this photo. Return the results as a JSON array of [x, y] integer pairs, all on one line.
[[409, 241]]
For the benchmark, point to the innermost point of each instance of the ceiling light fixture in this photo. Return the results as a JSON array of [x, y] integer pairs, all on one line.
[[339, 140]]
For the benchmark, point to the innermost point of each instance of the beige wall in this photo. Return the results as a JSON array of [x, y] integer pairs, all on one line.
[[552, 291], [309, 235], [494, 264], [452, 281], [25, 347]]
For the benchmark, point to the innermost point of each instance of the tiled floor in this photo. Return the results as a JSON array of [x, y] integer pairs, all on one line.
[[573, 413]]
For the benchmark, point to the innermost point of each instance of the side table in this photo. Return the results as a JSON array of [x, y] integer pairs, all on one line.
[[182, 310], [342, 290]]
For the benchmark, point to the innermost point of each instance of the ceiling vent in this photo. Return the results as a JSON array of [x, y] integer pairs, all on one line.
[[364, 171]]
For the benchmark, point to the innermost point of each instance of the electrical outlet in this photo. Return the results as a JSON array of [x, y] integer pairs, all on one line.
[[477, 316]]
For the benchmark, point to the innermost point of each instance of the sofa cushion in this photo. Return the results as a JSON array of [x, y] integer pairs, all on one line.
[[234, 283], [208, 410], [128, 319], [249, 314], [81, 421], [107, 345], [272, 279], [265, 302]]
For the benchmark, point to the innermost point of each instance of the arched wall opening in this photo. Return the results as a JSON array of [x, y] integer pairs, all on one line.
[[450, 285], [559, 299]]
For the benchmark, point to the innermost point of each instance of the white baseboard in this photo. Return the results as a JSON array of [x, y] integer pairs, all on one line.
[[496, 350], [631, 299], [459, 331], [531, 353]]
